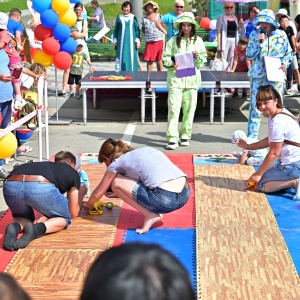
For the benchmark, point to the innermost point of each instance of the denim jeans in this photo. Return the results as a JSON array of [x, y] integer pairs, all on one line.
[[279, 172], [23, 197], [158, 200]]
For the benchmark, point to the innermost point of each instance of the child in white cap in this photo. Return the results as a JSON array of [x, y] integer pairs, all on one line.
[[248, 157]]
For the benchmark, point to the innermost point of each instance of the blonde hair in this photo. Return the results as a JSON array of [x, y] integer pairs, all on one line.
[[37, 68], [113, 149], [231, 3], [181, 2]]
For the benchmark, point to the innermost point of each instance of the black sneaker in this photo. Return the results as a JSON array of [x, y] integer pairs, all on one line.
[[235, 95], [298, 87], [244, 95]]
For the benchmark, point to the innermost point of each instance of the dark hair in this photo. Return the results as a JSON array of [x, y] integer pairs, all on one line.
[[243, 40], [126, 3], [181, 34], [251, 8], [283, 17], [78, 5], [10, 289], [268, 92], [137, 271], [65, 156], [14, 12], [113, 149]]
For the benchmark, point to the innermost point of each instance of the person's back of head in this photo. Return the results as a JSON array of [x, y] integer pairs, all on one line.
[[65, 156], [137, 271], [10, 289], [15, 14]]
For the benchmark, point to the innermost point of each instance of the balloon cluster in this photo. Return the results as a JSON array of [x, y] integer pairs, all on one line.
[[54, 32]]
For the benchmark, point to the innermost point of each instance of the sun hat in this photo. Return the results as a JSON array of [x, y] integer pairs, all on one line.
[[238, 134], [186, 17], [3, 20], [283, 12], [266, 16], [155, 5]]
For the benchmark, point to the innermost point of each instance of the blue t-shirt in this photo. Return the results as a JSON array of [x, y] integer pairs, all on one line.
[[168, 19], [249, 29], [13, 26], [6, 88], [146, 165]]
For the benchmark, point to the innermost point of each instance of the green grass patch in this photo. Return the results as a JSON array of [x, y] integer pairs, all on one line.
[[8, 5]]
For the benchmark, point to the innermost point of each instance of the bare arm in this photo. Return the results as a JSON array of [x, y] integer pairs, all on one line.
[[75, 202], [293, 44], [243, 158], [235, 62]]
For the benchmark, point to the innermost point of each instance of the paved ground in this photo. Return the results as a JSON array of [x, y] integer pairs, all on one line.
[[120, 118]]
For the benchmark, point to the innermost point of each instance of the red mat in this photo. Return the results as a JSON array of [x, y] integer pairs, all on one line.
[[181, 218]]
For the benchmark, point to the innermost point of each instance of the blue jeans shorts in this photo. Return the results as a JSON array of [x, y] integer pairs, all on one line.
[[279, 172], [158, 200], [23, 197]]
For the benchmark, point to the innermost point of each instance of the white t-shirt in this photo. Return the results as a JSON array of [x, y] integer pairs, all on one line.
[[26, 81], [281, 128]]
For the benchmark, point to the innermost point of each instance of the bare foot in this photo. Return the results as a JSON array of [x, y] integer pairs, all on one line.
[[149, 222], [297, 188]]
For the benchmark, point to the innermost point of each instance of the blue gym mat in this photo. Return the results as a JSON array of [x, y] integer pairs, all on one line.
[[180, 242]]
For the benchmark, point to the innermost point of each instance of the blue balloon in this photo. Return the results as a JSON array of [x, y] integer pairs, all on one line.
[[61, 32], [68, 46], [75, 1], [39, 6], [49, 18]]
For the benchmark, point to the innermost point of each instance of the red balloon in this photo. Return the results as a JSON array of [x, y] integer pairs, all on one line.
[[205, 23], [62, 60], [50, 46], [41, 32]]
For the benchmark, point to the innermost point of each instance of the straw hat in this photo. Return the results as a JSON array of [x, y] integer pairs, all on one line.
[[155, 5], [186, 17]]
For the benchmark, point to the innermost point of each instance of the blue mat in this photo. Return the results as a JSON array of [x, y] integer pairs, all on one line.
[[180, 242]]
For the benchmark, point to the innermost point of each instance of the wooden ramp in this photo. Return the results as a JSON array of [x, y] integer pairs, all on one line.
[[55, 265], [241, 253]]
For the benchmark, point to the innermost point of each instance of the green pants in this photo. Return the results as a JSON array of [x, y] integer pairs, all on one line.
[[187, 100]]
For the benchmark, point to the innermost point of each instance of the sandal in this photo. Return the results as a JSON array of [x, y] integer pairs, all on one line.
[[27, 149]]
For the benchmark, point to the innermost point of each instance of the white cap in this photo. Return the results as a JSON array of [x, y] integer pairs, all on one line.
[[283, 12], [3, 20], [80, 42], [238, 134]]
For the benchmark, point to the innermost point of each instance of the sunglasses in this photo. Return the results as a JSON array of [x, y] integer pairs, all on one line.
[[179, 6], [229, 7]]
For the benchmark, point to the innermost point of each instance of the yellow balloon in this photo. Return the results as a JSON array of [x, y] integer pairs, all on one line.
[[8, 145], [60, 6], [69, 18], [43, 58]]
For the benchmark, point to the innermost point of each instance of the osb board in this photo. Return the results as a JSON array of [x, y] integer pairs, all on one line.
[[55, 265], [241, 253], [52, 274]]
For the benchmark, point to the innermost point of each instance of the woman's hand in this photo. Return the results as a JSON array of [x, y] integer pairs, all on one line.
[[282, 67], [175, 66], [255, 177], [196, 54], [138, 46], [6, 78], [241, 143], [85, 207]]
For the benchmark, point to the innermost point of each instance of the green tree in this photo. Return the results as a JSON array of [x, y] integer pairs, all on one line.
[[200, 7]]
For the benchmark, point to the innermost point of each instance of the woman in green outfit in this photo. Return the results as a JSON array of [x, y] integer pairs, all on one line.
[[183, 91]]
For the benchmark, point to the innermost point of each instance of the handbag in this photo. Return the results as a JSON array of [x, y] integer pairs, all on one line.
[[219, 63]]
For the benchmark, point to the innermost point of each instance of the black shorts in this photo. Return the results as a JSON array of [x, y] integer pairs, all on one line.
[[74, 79]]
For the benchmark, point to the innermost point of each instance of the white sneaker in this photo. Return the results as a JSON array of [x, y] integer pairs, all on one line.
[[172, 146], [19, 103], [184, 142]]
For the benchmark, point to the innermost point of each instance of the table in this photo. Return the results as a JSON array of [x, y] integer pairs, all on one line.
[[210, 79]]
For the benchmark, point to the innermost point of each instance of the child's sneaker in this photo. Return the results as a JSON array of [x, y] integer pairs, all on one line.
[[244, 95], [77, 96], [235, 94], [19, 102], [72, 95]]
